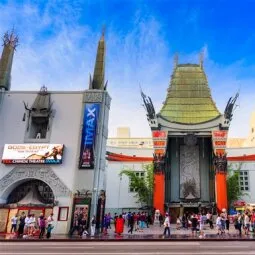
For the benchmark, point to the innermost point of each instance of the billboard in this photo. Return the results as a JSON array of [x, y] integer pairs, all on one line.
[[88, 139], [33, 153]]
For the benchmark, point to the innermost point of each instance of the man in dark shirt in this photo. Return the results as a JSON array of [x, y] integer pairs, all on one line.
[[131, 223], [194, 223]]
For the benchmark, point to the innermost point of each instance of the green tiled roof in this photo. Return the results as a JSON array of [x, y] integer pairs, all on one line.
[[189, 99]]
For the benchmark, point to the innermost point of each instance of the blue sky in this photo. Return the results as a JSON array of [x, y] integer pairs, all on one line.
[[58, 41]]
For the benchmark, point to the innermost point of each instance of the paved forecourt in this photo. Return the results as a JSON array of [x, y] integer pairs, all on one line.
[[124, 248]]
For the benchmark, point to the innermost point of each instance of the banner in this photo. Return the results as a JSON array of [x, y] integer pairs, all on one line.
[[33, 154], [89, 132], [159, 138], [219, 141]]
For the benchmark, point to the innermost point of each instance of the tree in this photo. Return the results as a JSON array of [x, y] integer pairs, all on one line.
[[143, 186], [233, 185]]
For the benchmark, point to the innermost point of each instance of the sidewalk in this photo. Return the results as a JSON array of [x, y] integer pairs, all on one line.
[[153, 233]]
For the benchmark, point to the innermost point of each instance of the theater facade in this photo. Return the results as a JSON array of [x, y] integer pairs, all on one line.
[[52, 147], [189, 136]]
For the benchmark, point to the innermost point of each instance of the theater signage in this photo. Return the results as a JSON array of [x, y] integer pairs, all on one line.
[[89, 133], [33, 154]]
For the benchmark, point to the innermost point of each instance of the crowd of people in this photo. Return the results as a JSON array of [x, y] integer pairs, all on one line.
[[135, 221], [24, 226]]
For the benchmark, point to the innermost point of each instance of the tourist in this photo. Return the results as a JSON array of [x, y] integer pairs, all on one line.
[[209, 219], [21, 224], [131, 223], [120, 225], [203, 219], [178, 223], [14, 220], [239, 223], [75, 225], [194, 222], [227, 223], [83, 227], [142, 221], [32, 222], [93, 226], [42, 226], [167, 225], [160, 219], [115, 219], [27, 221], [253, 220], [50, 226], [246, 223], [219, 224]]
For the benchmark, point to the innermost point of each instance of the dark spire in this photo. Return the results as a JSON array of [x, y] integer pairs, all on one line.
[[98, 77], [10, 42]]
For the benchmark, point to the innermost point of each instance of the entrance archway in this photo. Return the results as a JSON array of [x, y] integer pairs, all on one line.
[[29, 197]]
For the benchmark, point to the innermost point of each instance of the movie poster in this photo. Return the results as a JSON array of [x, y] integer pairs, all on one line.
[[89, 132]]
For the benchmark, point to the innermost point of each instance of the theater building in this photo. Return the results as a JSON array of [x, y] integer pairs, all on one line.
[[127, 152], [52, 147]]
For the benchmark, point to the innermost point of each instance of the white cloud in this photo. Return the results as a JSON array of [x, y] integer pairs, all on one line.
[[60, 53]]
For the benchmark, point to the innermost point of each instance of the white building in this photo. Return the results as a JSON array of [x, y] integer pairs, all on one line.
[[53, 148]]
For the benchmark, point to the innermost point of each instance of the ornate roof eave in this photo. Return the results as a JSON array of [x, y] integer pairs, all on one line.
[[210, 125]]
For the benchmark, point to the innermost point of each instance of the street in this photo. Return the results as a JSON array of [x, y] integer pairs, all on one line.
[[125, 248]]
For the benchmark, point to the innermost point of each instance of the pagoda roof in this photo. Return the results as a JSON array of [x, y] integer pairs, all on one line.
[[189, 99]]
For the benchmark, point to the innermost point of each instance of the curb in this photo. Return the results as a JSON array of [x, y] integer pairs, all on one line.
[[129, 240]]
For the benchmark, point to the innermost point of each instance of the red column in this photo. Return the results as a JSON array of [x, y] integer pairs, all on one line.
[[159, 191], [221, 191]]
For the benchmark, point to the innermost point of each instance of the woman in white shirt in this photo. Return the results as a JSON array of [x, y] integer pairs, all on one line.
[[31, 225], [246, 223], [218, 224]]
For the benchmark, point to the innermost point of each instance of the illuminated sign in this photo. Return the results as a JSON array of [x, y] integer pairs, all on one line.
[[33, 154], [89, 132]]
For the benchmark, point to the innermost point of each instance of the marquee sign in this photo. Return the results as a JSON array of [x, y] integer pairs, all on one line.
[[89, 132], [33, 154]]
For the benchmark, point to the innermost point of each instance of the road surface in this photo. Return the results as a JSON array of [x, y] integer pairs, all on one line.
[[128, 248]]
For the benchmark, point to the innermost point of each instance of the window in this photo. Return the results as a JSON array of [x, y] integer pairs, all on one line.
[[244, 180], [138, 174]]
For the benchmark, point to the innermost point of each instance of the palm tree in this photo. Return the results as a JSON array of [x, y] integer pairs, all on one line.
[[143, 186]]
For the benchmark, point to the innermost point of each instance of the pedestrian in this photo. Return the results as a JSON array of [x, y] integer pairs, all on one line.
[[166, 225], [42, 226], [219, 224], [50, 226], [14, 220], [160, 219], [21, 224], [49, 230], [194, 222], [93, 226], [202, 225], [131, 223], [246, 223], [120, 225], [75, 225]]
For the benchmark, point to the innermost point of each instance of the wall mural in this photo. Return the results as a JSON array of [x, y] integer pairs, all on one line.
[[189, 172]]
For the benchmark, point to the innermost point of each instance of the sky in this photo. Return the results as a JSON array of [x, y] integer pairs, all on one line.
[[58, 41]]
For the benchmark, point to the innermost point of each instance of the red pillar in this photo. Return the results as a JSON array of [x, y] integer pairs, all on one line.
[[221, 191], [159, 191]]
